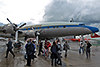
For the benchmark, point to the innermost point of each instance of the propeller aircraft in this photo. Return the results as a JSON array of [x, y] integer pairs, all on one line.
[[46, 30]]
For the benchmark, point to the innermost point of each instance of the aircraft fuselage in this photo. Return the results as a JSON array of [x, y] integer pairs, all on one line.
[[51, 30]]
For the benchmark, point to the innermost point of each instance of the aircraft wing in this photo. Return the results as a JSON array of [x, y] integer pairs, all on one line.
[[5, 35], [1, 29]]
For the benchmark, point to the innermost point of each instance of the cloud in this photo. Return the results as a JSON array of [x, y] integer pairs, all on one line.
[[1, 24], [95, 25], [22, 10], [86, 11]]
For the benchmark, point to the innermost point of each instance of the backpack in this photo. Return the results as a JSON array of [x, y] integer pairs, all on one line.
[[54, 49], [68, 47], [60, 47], [30, 48]]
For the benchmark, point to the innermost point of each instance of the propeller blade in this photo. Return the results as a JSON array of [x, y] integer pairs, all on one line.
[[22, 25], [15, 24], [38, 33], [10, 21]]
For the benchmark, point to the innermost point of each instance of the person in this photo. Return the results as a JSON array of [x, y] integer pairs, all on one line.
[[40, 47], [29, 51], [88, 49], [48, 47], [81, 47], [34, 56], [45, 49], [9, 48], [59, 52], [54, 49], [66, 47]]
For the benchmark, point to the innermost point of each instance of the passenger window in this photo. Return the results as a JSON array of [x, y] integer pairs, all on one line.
[[64, 26], [36, 27], [53, 26], [33, 28]]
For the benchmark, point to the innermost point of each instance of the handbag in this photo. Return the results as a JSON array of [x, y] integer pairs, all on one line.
[[25, 56]]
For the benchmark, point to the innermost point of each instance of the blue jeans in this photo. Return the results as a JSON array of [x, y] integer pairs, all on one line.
[[45, 51], [80, 49], [88, 52]]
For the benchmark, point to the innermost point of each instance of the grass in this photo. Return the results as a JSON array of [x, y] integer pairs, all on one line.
[[96, 44]]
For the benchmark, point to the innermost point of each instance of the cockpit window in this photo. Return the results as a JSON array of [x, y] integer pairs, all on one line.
[[82, 24]]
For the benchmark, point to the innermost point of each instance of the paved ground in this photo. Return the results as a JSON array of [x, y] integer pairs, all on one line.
[[74, 59]]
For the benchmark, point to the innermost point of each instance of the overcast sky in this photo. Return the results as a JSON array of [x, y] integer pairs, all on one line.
[[33, 11], [19, 11]]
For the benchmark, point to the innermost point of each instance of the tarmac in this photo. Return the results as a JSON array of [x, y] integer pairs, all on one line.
[[74, 59]]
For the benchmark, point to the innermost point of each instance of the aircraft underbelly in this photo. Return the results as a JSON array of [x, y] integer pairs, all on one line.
[[59, 32]]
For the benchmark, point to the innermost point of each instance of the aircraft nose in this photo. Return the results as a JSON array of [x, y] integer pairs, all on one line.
[[94, 29]]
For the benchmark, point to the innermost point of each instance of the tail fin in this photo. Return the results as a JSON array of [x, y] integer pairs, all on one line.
[[94, 35]]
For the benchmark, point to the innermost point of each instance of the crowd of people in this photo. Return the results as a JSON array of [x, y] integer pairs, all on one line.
[[44, 49]]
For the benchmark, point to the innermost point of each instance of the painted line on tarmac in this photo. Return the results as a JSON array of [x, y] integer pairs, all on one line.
[[66, 62]]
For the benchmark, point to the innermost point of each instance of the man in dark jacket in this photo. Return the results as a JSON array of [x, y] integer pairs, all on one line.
[[9, 48], [29, 51]]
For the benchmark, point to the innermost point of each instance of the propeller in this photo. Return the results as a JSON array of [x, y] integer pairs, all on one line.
[[10, 21], [22, 25], [16, 28], [37, 33]]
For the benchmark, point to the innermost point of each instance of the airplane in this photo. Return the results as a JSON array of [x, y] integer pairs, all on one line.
[[78, 40], [47, 30], [94, 35]]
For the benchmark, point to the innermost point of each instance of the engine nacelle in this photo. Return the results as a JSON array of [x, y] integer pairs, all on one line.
[[30, 33], [8, 28]]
